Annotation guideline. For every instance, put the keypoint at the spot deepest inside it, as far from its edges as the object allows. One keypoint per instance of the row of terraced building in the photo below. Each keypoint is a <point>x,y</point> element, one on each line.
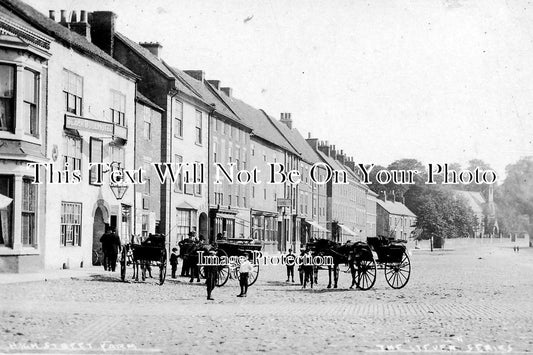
<point>74,91</point>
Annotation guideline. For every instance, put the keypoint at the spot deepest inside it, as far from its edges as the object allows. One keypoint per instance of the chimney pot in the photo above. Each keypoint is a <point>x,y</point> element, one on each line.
<point>74,17</point>
<point>52,14</point>
<point>308,135</point>
<point>227,90</point>
<point>63,16</point>
<point>83,16</point>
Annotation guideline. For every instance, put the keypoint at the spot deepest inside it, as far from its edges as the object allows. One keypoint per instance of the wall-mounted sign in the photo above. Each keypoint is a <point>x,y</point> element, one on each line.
<point>284,202</point>
<point>85,124</point>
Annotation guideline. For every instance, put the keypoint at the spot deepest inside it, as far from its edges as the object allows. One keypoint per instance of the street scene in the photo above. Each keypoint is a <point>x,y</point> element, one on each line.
<point>237,177</point>
<point>474,300</point>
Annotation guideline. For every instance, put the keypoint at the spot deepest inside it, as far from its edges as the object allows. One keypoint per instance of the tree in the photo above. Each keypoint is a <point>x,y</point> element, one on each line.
<point>515,197</point>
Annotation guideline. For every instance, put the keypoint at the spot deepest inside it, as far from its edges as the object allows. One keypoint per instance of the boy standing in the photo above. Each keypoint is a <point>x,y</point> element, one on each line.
<point>174,261</point>
<point>244,270</point>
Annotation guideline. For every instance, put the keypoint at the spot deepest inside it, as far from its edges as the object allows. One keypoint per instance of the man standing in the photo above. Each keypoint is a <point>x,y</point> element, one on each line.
<point>211,275</point>
<point>289,261</point>
<point>105,239</point>
<point>114,248</point>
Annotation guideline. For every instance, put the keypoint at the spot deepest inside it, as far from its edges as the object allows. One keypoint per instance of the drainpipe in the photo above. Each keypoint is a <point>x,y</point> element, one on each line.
<point>169,215</point>
<point>210,116</point>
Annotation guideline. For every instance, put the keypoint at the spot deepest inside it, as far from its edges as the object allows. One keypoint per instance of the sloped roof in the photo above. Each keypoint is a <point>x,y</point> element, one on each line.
<point>146,101</point>
<point>307,153</point>
<point>396,208</point>
<point>158,64</point>
<point>259,122</point>
<point>63,35</point>
<point>202,88</point>
<point>474,199</point>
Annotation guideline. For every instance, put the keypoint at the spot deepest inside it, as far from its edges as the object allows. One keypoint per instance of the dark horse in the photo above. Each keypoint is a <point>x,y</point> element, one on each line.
<point>357,256</point>
<point>189,254</point>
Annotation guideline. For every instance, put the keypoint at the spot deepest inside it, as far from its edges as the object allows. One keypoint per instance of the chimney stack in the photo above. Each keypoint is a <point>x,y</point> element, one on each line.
<point>102,30</point>
<point>313,142</point>
<point>286,119</point>
<point>153,47</point>
<point>196,74</point>
<point>82,27</point>
<point>52,15</point>
<point>63,19</point>
<point>228,91</point>
<point>215,83</point>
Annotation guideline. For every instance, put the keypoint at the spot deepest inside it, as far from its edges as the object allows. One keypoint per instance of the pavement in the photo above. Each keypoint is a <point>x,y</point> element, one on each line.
<point>465,300</point>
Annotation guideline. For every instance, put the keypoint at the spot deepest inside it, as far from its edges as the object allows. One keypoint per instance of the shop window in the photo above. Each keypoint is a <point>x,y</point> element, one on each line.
<point>73,92</point>
<point>71,224</point>
<point>185,222</point>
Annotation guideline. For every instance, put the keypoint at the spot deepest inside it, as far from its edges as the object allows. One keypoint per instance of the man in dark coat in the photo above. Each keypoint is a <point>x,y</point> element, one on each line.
<point>211,276</point>
<point>114,248</point>
<point>106,242</point>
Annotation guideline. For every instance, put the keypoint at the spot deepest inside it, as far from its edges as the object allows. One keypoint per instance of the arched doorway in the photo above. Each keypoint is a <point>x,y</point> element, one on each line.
<point>202,223</point>
<point>98,231</point>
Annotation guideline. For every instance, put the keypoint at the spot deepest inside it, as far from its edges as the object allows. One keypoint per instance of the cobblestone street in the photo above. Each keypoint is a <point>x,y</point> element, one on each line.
<point>462,300</point>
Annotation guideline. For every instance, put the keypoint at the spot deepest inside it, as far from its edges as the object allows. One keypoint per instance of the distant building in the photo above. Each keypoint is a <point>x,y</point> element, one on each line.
<point>484,210</point>
<point>394,219</point>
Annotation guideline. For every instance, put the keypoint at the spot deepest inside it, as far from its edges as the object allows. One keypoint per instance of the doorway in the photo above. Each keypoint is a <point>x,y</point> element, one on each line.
<point>98,231</point>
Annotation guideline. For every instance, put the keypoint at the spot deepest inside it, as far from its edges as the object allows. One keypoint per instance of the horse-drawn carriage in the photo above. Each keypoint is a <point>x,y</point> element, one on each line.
<point>151,252</point>
<point>392,257</point>
<point>227,250</point>
<point>233,248</point>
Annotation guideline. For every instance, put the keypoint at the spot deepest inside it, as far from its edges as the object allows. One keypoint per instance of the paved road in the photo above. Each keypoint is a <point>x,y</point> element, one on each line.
<point>462,301</point>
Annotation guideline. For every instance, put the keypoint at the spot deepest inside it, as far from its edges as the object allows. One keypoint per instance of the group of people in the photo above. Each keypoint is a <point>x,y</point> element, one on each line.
<point>306,269</point>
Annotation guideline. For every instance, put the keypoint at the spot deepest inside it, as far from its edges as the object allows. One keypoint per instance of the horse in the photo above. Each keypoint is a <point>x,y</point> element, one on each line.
<point>350,254</point>
<point>190,257</point>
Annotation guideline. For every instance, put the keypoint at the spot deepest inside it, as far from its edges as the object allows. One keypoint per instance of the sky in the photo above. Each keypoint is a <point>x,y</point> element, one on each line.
<point>438,81</point>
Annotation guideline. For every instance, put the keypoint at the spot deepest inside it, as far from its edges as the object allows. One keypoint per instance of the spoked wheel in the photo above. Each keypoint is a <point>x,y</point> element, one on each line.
<point>123,259</point>
<point>397,274</point>
<point>163,267</point>
<point>223,270</point>
<point>252,277</point>
<point>366,274</point>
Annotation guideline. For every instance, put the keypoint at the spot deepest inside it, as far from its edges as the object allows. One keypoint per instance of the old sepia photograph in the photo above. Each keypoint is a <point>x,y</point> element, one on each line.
<point>266,176</point>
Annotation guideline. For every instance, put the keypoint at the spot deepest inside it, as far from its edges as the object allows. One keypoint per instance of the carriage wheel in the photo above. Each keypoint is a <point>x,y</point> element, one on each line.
<point>163,267</point>
<point>366,274</point>
<point>252,277</point>
<point>223,271</point>
<point>397,274</point>
<point>123,255</point>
